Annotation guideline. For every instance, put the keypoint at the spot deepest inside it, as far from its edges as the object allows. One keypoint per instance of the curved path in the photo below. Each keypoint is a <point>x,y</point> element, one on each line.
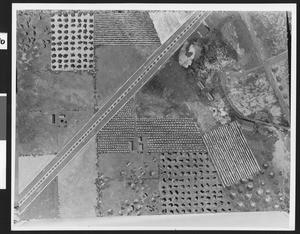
<point>238,113</point>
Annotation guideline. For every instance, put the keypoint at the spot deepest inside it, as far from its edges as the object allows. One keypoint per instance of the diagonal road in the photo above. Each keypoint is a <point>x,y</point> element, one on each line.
<point>109,109</point>
<point>265,63</point>
<point>280,57</point>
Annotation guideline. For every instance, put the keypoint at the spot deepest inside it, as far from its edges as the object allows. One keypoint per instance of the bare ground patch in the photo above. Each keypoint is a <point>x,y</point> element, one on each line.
<point>77,191</point>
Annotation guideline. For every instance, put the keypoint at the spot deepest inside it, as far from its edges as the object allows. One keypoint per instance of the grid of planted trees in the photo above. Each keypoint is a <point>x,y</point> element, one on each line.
<point>72,41</point>
<point>189,184</point>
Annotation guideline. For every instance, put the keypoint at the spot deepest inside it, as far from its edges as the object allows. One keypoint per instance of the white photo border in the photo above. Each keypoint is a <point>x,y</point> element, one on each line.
<point>226,221</point>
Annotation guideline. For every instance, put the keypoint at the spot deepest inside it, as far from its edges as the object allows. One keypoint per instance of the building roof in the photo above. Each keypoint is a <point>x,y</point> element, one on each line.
<point>247,125</point>
<point>203,30</point>
<point>200,84</point>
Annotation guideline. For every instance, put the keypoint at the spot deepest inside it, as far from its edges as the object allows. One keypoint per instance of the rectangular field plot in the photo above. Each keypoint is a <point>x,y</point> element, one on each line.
<point>124,28</point>
<point>171,135</point>
<point>189,184</point>
<point>72,41</point>
<point>230,154</point>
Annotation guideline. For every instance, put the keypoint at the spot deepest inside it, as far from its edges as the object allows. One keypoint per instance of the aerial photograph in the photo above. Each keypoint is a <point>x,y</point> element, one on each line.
<point>151,112</point>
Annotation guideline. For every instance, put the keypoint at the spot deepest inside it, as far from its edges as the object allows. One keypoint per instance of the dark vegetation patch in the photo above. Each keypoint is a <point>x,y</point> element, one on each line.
<point>168,91</point>
<point>173,77</point>
<point>236,33</point>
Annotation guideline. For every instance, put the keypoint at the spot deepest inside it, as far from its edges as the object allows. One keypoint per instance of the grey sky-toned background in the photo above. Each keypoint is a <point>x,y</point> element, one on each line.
<point>2,118</point>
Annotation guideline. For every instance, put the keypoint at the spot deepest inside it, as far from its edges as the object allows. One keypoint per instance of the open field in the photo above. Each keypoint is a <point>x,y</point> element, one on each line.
<point>54,91</point>
<point>115,64</point>
<point>127,184</point>
<point>76,188</point>
<point>34,36</point>
<point>42,92</point>
<point>38,136</point>
<point>29,167</point>
<point>45,206</point>
<point>167,22</point>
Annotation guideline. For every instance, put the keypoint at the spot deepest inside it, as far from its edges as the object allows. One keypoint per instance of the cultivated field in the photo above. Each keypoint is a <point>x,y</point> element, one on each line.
<point>159,134</point>
<point>189,184</point>
<point>124,28</point>
<point>72,41</point>
<point>230,154</point>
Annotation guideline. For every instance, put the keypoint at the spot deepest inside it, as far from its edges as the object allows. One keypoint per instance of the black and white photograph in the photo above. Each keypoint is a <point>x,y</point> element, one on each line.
<point>172,116</point>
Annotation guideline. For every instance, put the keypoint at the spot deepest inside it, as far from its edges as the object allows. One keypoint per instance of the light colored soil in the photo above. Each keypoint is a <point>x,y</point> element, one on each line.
<point>205,118</point>
<point>167,22</point>
<point>77,191</point>
<point>185,60</point>
<point>30,166</point>
<point>281,153</point>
